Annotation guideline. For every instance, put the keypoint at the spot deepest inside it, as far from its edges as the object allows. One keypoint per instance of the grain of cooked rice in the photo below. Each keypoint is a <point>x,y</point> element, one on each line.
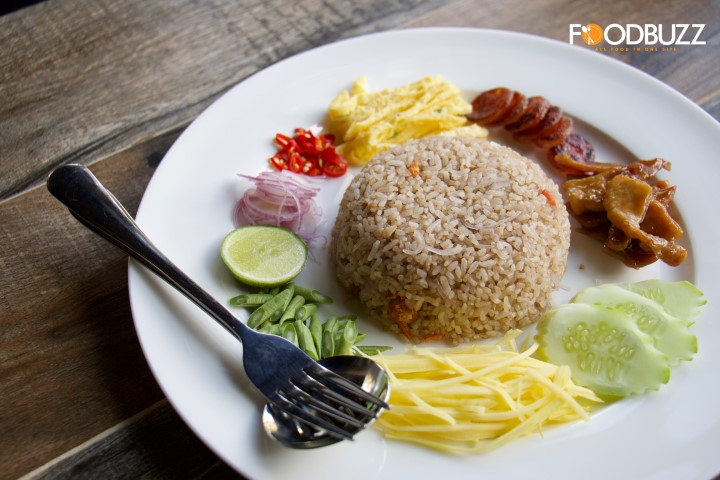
<point>469,248</point>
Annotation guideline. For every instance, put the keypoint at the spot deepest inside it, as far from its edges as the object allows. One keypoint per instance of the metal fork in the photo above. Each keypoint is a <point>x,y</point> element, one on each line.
<point>289,378</point>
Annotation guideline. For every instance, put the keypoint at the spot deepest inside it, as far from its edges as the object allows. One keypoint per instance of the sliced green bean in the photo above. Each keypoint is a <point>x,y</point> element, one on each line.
<point>343,320</point>
<point>289,333</point>
<point>279,303</point>
<point>316,329</point>
<point>271,328</point>
<point>328,337</point>
<point>328,345</point>
<point>312,295</point>
<point>289,313</point>
<point>305,339</point>
<point>257,318</point>
<point>305,311</point>
<point>347,339</point>
<point>271,310</point>
<point>250,299</point>
<point>372,349</point>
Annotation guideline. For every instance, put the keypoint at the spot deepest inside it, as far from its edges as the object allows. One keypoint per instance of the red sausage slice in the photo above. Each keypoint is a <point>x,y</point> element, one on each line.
<point>491,105</point>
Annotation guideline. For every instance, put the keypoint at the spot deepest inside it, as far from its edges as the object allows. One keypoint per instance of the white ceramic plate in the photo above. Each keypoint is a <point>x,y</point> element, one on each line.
<point>187,207</point>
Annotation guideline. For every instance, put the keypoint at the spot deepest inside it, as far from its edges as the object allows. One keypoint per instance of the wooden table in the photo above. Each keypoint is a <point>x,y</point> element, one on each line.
<point>112,84</point>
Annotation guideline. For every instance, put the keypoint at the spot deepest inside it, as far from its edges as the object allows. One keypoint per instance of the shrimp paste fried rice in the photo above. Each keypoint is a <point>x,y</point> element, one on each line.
<point>451,237</point>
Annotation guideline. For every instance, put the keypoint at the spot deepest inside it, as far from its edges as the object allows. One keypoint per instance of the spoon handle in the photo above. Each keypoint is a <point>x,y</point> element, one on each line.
<point>94,206</point>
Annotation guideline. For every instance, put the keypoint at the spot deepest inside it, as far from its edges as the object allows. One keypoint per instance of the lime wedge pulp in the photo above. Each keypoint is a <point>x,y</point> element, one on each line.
<point>263,256</point>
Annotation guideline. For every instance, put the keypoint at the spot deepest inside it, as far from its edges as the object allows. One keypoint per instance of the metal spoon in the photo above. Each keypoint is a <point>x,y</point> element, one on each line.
<point>292,433</point>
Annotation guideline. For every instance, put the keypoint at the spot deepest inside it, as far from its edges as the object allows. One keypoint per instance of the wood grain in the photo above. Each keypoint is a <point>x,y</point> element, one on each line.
<point>70,363</point>
<point>81,80</point>
<point>177,453</point>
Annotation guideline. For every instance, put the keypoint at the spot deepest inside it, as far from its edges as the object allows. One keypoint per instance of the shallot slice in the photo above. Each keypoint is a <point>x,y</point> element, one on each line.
<point>279,199</point>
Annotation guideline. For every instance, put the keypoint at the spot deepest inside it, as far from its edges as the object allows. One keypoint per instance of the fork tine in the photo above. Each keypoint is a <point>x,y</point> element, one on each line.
<point>332,379</point>
<point>300,397</point>
<point>320,390</point>
<point>312,420</point>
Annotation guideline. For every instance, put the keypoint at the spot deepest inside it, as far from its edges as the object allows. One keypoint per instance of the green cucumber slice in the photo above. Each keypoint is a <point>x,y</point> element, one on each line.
<point>604,349</point>
<point>680,299</point>
<point>669,334</point>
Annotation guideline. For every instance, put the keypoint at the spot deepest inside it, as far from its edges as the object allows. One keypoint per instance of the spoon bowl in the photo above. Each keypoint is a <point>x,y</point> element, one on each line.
<point>361,371</point>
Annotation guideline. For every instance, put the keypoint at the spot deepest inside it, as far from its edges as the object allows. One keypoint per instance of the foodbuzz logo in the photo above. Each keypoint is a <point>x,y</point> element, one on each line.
<point>633,37</point>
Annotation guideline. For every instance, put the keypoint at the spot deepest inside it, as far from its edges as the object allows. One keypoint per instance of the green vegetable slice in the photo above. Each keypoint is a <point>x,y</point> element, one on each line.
<point>604,348</point>
<point>669,334</point>
<point>680,299</point>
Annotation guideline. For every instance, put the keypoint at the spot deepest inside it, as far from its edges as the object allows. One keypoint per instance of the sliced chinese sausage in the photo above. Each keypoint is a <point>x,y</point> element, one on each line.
<point>556,134</point>
<point>490,106</point>
<point>535,119</point>
<point>517,106</point>
<point>548,121</point>
<point>536,109</point>
<point>576,156</point>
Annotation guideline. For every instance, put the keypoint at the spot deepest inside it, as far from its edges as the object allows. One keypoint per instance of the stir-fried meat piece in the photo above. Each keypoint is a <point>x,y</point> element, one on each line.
<point>663,192</point>
<point>628,214</point>
<point>645,169</point>
<point>626,200</point>
<point>617,240</point>
<point>657,221</point>
<point>635,255</point>
<point>586,194</point>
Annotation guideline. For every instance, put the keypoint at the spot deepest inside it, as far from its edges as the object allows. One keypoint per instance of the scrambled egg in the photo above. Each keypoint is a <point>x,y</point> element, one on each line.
<point>366,123</point>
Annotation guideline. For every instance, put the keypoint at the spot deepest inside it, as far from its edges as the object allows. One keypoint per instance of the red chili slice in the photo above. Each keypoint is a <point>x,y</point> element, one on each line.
<point>283,141</point>
<point>278,162</point>
<point>295,163</point>
<point>333,165</point>
<point>308,154</point>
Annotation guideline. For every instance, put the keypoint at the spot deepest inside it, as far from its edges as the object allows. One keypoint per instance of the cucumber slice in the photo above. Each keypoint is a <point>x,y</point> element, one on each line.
<point>669,334</point>
<point>604,348</point>
<point>680,299</point>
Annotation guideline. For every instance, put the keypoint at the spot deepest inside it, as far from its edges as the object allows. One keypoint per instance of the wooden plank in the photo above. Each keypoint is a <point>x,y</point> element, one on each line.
<point>176,453</point>
<point>70,362</point>
<point>81,80</point>
<point>688,70</point>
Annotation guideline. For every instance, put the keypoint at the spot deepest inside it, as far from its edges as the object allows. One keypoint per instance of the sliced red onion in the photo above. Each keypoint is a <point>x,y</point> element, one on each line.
<point>280,199</point>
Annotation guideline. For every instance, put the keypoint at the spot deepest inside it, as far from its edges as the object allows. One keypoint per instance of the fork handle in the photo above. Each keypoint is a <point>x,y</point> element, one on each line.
<point>94,206</point>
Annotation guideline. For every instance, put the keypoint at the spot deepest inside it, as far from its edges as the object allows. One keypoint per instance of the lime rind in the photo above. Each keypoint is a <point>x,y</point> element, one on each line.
<point>604,348</point>
<point>263,255</point>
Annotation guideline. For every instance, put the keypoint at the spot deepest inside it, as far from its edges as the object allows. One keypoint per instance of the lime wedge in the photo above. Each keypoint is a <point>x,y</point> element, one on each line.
<point>263,256</point>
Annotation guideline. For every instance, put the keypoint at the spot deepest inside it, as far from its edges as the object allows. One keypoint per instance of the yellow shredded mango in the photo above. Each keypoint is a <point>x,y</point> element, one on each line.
<point>477,398</point>
<point>367,123</point>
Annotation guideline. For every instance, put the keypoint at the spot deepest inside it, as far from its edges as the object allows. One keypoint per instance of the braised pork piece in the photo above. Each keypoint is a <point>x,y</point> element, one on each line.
<point>626,208</point>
